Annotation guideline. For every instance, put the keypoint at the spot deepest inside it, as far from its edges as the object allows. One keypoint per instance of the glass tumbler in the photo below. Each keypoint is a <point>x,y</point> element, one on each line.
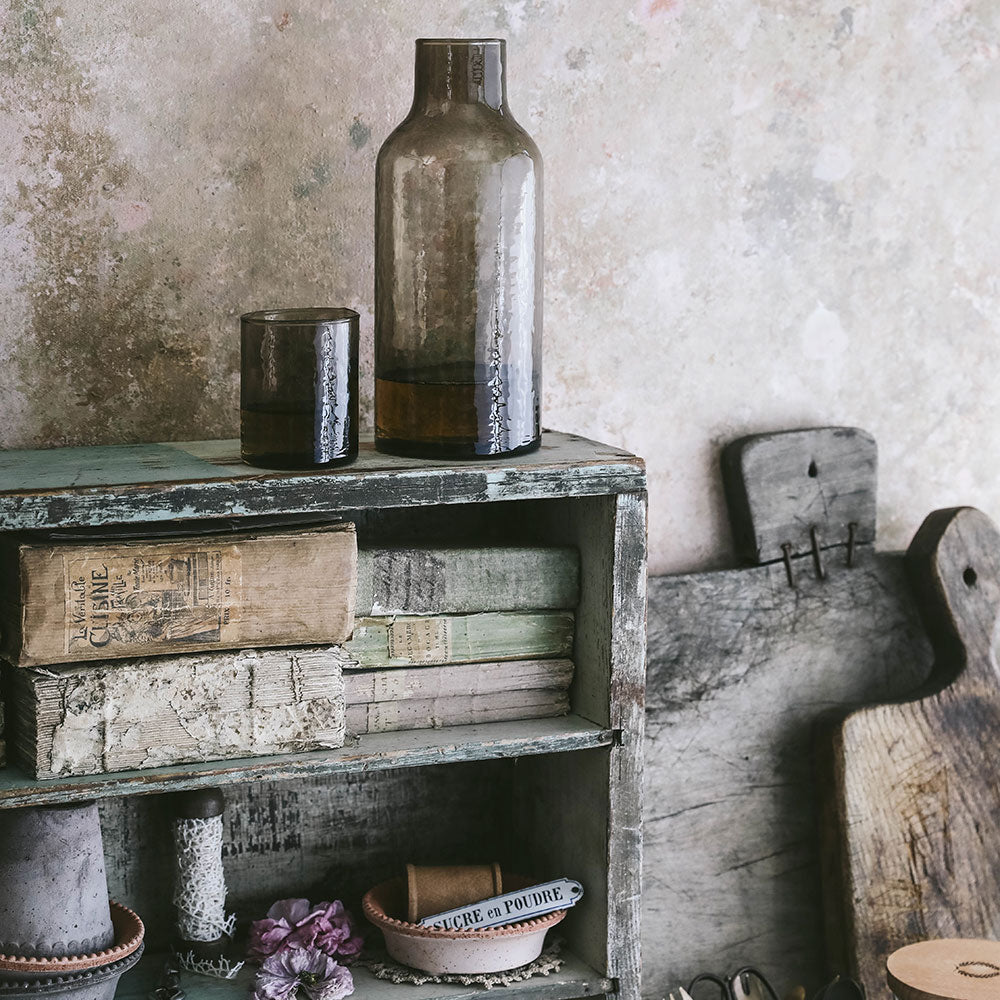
<point>299,388</point>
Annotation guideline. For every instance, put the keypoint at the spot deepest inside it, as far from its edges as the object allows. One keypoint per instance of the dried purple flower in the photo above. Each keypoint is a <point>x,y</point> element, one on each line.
<point>317,975</point>
<point>335,931</point>
<point>293,923</point>
<point>269,935</point>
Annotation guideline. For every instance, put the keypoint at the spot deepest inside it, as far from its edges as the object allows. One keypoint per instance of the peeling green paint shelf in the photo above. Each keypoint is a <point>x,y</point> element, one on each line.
<point>412,748</point>
<point>129,484</point>
<point>574,979</point>
<point>574,803</point>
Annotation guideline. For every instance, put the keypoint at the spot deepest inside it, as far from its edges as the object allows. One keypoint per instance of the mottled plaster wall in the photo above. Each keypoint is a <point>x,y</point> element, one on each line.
<point>760,214</point>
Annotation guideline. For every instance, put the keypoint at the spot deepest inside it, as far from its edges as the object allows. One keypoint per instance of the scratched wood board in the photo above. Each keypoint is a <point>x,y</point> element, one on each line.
<point>913,786</point>
<point>740,667</point>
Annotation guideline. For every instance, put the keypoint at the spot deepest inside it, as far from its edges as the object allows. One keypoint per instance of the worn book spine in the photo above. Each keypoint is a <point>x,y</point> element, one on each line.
<point>103,600</point>
<point>410,641</point>
<point>439,581</point>
<point>455,710</point>
<point>430,697</point>
<point>130,715</point>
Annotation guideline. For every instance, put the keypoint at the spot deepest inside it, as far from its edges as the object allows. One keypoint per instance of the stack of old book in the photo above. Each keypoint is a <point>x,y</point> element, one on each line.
<point>148,652</point>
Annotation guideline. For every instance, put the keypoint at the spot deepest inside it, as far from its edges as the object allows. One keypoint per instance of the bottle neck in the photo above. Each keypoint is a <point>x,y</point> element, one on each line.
<point>453,72</point>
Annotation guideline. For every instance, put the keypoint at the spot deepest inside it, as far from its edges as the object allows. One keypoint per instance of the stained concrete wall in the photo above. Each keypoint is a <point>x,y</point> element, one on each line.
<point>760,214</point>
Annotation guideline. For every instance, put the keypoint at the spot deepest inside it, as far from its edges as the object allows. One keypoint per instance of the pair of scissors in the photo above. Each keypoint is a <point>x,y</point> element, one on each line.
<point>749,984</point>
<point>744,984</point>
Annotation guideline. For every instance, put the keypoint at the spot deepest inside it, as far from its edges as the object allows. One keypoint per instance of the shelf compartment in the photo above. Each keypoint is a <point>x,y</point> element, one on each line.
<point>412,748</point>
<point>574,979</point>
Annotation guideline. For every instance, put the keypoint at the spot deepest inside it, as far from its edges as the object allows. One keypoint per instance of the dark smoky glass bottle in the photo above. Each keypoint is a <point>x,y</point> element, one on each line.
<point>458,264</point>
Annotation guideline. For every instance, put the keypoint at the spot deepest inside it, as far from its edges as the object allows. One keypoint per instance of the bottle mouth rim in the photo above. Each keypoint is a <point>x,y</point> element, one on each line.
<point>461,41</point>
<point>299,317</point>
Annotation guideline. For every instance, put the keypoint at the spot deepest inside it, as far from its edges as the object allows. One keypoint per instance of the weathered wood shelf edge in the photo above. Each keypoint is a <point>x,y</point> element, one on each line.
<point>412,748</point>
<point>123,484</point>
<point>574,979</point>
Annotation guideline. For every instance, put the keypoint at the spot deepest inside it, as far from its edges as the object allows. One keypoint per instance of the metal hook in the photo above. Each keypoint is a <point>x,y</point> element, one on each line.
<point>786,555</point>
<point>852,533</point>
<point>817,557</point>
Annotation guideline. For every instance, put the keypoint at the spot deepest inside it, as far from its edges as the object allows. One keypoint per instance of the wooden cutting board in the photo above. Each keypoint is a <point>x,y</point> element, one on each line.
<point>912,824</point>
<point>741,665</point>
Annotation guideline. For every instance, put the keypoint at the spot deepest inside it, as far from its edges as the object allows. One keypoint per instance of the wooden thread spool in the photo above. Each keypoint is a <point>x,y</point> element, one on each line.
<point>435,889</point>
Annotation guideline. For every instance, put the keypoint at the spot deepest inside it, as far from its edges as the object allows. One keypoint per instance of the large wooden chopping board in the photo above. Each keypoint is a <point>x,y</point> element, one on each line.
<point>741,664</point>
<point>913,824</point>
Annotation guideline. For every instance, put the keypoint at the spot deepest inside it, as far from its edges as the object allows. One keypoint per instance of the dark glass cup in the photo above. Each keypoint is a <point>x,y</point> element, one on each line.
<point>299,388</point>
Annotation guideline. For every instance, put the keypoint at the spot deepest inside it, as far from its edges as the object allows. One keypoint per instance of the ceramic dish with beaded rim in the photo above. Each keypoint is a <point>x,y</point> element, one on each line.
<point>129,932</point>
<point>71,982</point>
<point>455,951</point>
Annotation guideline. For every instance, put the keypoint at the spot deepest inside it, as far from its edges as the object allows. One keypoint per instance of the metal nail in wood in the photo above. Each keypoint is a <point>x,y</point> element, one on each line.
<point>817,553</point>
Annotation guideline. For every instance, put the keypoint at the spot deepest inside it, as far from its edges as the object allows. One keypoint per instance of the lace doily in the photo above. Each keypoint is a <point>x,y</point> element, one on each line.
<point>381,966</point>
<point>220,968</point>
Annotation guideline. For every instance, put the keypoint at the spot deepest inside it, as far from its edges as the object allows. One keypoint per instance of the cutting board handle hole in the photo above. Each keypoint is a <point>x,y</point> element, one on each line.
<point>969,576</point>
<point>812,470</point>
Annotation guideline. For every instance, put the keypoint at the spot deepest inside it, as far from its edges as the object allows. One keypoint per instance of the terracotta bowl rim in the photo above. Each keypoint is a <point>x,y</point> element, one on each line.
<point>376,914</point>
<point>129,932</point>
<point>57,984</point>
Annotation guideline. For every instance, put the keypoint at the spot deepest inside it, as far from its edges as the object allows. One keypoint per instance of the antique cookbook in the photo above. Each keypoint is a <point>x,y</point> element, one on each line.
<point>65,602</point>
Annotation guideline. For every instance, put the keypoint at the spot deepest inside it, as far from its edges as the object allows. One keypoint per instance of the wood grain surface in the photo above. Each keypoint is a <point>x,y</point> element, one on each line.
<point>946,969</point>
<point>741,666</point>
<point>914,818</point>
<point>781,487</point>
<point>117,484</point>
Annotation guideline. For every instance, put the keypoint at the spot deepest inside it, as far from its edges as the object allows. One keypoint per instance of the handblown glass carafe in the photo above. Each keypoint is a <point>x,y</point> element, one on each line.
<point>458,264</point>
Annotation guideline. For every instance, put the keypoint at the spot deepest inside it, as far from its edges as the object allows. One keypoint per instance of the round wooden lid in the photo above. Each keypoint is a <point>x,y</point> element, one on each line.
<point>949,969</point>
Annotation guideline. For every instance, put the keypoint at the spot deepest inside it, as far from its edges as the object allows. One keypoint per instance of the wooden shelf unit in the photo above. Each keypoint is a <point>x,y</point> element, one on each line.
<point>553,797</point>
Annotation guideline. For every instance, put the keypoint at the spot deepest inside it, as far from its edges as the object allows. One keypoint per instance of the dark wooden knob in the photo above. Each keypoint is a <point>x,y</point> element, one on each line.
<point>203,803</point>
